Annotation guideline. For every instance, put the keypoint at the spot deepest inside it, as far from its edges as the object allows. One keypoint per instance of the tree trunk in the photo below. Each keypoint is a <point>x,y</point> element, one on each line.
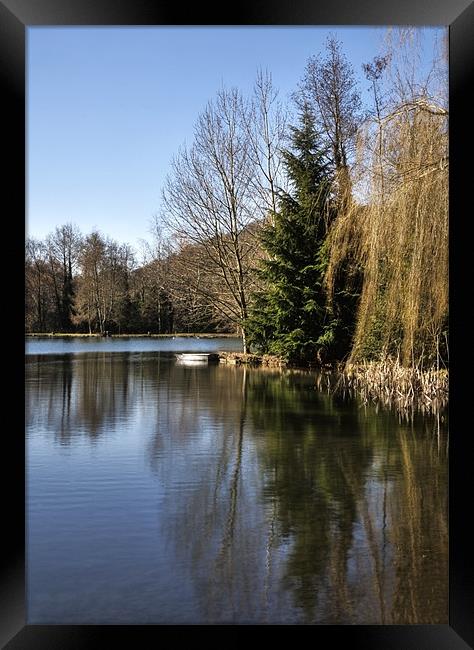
<point>244,340</point>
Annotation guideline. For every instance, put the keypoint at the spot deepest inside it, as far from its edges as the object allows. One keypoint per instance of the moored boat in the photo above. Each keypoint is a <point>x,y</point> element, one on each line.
<point>197,357</point>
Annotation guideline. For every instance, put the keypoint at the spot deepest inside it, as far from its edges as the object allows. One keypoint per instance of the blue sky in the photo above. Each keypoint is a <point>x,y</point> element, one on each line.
<point>108,107</point>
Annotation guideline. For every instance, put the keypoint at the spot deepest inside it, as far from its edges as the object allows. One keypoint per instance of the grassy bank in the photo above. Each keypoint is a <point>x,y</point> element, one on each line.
<point>201,335</point>
<point>241,358</point>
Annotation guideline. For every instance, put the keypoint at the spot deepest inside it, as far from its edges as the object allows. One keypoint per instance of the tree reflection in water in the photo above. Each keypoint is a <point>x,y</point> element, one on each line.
<point>340,517</point>
<point>282,503</point>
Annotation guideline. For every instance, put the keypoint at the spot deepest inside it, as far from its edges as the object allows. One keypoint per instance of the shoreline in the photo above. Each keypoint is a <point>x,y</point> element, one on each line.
<point>386,383</point>
<point>201,335</point>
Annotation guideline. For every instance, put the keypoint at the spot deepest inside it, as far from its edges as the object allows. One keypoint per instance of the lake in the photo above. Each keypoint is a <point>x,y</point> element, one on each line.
<point>164,493</point>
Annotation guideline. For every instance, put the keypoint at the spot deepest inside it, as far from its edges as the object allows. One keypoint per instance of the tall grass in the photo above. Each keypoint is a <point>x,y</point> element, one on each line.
<point>404,389</point>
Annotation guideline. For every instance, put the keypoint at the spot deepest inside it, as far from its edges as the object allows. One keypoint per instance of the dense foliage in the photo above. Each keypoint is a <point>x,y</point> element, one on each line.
<point>289,317</point>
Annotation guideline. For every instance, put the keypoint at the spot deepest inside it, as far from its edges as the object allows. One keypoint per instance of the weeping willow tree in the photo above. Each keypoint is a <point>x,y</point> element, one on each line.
<point>397,235</point>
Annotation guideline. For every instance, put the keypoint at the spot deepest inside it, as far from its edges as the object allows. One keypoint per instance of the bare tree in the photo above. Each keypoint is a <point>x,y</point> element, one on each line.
<point>89,297</point>
<point>119,265</point>
<point>265,122</point>
<point>152,282</point>
<point>208,201</point>
<point>189,284</point>
<point>104,281</point>
<point>63,247</point>
<point>330,88</point>
<point>37,298</point>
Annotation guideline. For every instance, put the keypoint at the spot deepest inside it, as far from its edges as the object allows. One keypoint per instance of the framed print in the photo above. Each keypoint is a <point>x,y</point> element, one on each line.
<point>158,478</point>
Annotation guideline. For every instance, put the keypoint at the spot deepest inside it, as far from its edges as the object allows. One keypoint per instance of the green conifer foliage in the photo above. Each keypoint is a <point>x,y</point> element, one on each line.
<point>289,316</point>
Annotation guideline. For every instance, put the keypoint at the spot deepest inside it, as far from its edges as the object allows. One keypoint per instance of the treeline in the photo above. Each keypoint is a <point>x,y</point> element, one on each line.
<point>93,284</point>
<point>318,229</point>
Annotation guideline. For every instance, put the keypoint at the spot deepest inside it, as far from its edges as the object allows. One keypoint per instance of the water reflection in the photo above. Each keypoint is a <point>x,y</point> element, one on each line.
<point>278,502</point>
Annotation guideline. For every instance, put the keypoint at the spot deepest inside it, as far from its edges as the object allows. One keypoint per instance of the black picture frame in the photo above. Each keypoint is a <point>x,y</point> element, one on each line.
<point>15,17</point>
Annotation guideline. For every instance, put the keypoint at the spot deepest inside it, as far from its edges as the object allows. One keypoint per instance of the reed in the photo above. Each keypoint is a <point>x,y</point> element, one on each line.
<point>404,389</point>
<point>387,383</point>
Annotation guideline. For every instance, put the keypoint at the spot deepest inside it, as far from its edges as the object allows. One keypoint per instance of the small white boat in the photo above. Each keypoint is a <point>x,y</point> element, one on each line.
<point>197,357</point>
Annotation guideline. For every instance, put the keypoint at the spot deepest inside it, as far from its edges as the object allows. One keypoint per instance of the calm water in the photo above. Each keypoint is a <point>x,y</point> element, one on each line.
<point>165,493</point>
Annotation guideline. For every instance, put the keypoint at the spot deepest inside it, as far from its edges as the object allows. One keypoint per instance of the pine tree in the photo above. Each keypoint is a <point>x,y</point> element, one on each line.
<point>290,316</point>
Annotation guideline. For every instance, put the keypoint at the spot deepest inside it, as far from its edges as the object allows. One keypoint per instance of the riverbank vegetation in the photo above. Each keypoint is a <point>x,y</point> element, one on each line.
<point>317,229</point>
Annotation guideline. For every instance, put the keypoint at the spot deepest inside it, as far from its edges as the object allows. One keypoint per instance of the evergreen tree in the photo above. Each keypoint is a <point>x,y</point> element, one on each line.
<point>290,316</point>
